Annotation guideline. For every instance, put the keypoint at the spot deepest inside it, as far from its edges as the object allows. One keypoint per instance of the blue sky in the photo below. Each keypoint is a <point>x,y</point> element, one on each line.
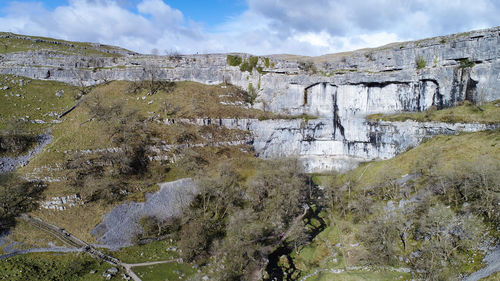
<point>306,27</point>
<point>209,12</point>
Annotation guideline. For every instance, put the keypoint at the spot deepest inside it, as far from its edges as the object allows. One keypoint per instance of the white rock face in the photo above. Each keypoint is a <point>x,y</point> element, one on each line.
<point>315,143</point>
<point>340,94</point>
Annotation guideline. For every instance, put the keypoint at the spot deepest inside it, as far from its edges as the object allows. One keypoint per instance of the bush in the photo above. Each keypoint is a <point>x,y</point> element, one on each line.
<point>15,139</point>
<point>16,143</point>
<point>266,62</point>
<point>250,64</point>
<point>465,63</point>
<point>420,61</point>
<point>240,224</point>
<point>17,196</point>
<point>308,67</point>
<point>152,86</point>
<point>251,94</point>
<point>233,60</point>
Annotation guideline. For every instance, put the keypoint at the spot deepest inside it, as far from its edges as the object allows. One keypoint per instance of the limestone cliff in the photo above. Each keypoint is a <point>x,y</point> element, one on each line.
<point>340,90</point>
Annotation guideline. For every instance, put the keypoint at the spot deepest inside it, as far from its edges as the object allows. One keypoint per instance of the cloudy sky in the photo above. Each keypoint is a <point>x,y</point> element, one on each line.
<point>307,27</point>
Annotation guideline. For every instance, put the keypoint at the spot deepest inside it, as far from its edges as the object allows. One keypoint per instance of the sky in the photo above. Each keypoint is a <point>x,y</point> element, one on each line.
<point>260,27</point>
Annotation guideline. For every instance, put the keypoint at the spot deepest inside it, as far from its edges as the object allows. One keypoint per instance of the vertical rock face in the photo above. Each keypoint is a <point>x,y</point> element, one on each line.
<point>315,142</point>
<point>340,90</point>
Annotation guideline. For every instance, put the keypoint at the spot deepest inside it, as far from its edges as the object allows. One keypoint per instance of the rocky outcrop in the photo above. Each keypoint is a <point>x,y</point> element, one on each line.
<point>340,90</point>
<point>61,203</point>
<point>322,147</point>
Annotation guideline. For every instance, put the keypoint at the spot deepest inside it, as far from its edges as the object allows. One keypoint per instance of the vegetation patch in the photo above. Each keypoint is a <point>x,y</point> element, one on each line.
<point>420,62</point>
<point>233,60</point>
<point>153,251</point>
<point>166,271</point>
<point>52,267</point>
<point>10,43</point>
<point>374,221</point>
<point>466,112</point>
<point>33,104</point>
<point>250,64</point>
<point>465,63</point>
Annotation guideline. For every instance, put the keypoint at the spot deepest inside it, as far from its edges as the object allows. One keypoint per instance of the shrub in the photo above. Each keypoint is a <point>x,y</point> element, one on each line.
<point>251,94</point>
<point>245,66</point>
<point>15,139</point>
<point>233,60</point>
<point>464,63</point>
<point>17,196</point>
<point>15,143</point>
<point>420,61</point>
<point>266,62</point>
<point>250,64</point>
<point>308,67</point>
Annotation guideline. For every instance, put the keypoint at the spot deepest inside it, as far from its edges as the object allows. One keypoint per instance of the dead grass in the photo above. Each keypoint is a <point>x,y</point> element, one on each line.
<point>32,237</point>
<point>78,220</point>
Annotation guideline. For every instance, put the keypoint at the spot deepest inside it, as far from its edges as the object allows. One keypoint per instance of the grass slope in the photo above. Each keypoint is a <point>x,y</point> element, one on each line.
<point>80,131</point>
<point>10,43</point>
<point>488,113</point>
<point>29,100</point>
<point>341,237</point>
<point>53,267</point>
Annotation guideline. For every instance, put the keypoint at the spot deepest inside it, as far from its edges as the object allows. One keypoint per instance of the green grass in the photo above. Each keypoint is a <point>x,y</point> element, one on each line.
<point>153,251</point>
<point>234,60</point>
<point>360,275</point>
<point>420,62</point>
<point>52,267</point>
<point>37,238</point>
<point>35,100</point>
<point>78,131</point>
<point>451,150</point>
<point>488,113</point>
<point>25,43</point>
<point>167,271</point>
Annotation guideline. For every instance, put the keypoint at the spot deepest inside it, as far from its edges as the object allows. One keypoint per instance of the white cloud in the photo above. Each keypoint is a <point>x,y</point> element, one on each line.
<point>312,27</point>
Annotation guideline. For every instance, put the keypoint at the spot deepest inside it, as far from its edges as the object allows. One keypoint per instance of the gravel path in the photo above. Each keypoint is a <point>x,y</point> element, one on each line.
<point>493,261</point>
<point>9,164</point>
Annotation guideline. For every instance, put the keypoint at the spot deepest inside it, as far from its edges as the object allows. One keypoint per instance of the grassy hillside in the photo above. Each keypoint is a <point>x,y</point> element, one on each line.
<point>102,114</point>
<point>437,201</point>
<point>10,43</point>
<point>34,102</point>
<point>424,185</point>
<point>53,266</point>
<point>487,113</point>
